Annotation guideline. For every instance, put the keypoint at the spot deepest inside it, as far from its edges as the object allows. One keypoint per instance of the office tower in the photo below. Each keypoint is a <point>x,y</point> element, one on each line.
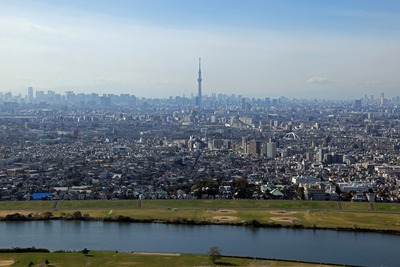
<point>245,140</point>
<point>8,97</point>
<point>70,96</point>
<point>30,94</point>
<point>357,103</point>
<point>254,148</point>
<point>199,79</point>
<point>321,155</point>
<point>271,150</point>
<point>382,100</point>
<point>40,96</point>
<point>268,101</point>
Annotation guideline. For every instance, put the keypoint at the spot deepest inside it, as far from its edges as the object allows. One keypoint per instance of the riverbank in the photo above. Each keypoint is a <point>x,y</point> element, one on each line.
<point>289,214</point>
<point>138,259</point>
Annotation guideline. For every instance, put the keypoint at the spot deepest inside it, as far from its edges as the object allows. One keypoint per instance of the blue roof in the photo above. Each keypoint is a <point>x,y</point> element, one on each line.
<point>40,195</point>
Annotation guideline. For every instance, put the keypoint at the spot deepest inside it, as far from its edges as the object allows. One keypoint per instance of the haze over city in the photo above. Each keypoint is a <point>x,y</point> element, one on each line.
<point>304,49</point>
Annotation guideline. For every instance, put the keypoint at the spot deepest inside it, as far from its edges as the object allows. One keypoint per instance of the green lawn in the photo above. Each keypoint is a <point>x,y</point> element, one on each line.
<point>196,204</point>
<point>199,204</point>
<point>307,213</point>
<point>25,205</point>
<point>184,204</point>
<point>386,207</point>
<point>111,259</point>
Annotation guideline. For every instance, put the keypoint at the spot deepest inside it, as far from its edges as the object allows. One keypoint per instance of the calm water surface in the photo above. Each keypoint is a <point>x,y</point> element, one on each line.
<point>365,249</point>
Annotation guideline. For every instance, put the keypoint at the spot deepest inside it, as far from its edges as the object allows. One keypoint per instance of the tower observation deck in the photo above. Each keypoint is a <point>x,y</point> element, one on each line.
<point>199,79</point>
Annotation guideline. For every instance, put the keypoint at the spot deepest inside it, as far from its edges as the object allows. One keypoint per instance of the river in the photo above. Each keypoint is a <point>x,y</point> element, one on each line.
<point>355,248</point>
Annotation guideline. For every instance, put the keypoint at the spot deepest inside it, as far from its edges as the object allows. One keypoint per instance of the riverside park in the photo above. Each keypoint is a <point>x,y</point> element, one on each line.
<point>341,216</point>
<point>357,216</point>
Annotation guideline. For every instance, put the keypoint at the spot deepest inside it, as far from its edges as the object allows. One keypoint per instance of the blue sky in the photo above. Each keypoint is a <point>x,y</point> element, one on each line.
<point>258,48</point>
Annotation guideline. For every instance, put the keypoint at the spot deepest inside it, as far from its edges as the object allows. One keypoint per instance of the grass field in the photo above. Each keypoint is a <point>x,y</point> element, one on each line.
<point>112,259</point>
<point>314,214</point>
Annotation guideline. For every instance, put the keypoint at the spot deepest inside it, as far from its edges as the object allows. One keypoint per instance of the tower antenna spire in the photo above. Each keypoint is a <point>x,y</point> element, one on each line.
<point>199,79</point>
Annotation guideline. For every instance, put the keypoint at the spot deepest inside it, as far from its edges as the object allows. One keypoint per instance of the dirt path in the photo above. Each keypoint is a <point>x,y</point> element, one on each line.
<point>282,212</point>
<point>285,219</point>
<point>225,218</point>
<point>6,262</point>
<point>224,211</point>
<point>157,254</point>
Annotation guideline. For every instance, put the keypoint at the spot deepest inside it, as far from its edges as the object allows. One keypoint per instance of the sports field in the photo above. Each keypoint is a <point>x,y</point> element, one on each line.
<point>310,214</point>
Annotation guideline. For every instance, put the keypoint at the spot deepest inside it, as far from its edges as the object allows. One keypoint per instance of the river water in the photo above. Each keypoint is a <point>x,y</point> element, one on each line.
<point>355,248</point>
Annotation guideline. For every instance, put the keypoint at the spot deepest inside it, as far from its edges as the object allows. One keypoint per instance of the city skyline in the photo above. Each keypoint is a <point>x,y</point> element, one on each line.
<point>198,100</point>
<point>306,49</point>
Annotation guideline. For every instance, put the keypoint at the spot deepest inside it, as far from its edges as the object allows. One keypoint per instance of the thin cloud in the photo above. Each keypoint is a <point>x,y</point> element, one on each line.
<point>24,79</point>
<point>15,25</point>
<point>320,80</point>
<point>371,82</point>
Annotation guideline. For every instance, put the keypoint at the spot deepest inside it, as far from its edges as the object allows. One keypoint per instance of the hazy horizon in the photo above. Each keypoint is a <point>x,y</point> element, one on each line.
<point>303,49</point>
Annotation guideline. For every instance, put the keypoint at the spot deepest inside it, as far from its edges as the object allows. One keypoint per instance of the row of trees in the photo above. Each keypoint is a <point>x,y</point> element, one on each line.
<point>240,188</point>
<point>77,215</point>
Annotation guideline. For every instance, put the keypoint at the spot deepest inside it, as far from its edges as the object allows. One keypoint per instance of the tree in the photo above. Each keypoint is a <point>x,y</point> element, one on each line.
<point>338,191</point>
<point>347,196</point>
<point>47,215</point>
<point>85,251</point>
<point>300,193</point>
<point>77,215</point>
<point>215,253</point>
<point>241,188</point>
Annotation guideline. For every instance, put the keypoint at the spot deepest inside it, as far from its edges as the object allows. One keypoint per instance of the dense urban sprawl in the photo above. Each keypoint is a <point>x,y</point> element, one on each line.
<point>87,146</point>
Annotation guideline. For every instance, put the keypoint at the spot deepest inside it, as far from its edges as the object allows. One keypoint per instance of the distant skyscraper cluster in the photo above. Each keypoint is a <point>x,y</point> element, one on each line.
<point>199,100</point>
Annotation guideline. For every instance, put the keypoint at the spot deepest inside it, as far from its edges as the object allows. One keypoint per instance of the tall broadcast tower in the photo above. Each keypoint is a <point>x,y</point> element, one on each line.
<point>200,96</point>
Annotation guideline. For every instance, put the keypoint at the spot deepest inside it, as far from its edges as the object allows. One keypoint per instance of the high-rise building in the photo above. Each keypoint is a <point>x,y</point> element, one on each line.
<point>321,155</point>
<point>271,150</point>
<point>357,103</point>
<point>199,79</point>
<point>254,148</point>
<point>244,144</point>
<point>30,94</point>
<point>40,96</point>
